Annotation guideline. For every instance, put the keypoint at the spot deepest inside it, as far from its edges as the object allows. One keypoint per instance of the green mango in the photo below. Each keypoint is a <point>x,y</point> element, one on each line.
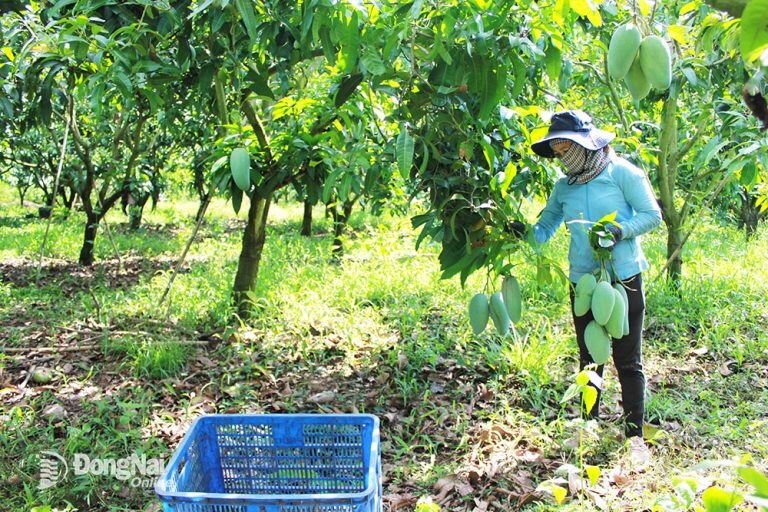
<point>478,312</point>
<point>622,50</point>
<point>499,314</point>
<point>615,325</point>
<point>513,299</point>
<point>598,342</point>
<point>656,62</point>
<point>240,166</point>
<point>603,300</point>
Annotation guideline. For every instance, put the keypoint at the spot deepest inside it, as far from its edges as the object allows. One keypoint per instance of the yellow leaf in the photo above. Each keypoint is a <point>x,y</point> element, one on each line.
<point>559,493</point>
<point>678,33</point>
<point>589,395</point>
<point>587,9</point>
<point>595,18</point>
<point>593,472</point>
<point>560,11</point>
<point>690,6</point>
<point>510,171</point>
<point>538,133</point>
<point>582,379</point>
<point>645,7</point>
<point>8,53</point>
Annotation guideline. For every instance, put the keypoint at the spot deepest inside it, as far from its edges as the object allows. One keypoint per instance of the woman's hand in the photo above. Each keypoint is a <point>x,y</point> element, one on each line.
<point>517,229</point>
<point>607,238</point>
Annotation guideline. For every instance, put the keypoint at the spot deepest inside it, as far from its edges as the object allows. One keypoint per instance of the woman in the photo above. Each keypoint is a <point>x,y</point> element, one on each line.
<point>598,182</point>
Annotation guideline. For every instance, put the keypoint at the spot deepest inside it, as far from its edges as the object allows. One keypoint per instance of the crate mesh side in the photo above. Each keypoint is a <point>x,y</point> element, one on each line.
<point>329,460</point>
<point>190,472</point>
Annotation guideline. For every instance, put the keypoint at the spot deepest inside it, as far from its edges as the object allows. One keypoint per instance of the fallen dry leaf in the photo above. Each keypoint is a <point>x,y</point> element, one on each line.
<point>324,397</point>
<point>399,501</point>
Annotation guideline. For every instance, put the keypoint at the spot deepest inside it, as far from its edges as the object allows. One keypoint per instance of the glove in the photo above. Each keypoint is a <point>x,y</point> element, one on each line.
<point>615,231</point>
<point>517,229</point>
<point>608,238</point>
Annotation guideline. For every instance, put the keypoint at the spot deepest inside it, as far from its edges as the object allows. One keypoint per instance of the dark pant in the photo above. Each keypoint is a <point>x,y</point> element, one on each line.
<point>627,357</point>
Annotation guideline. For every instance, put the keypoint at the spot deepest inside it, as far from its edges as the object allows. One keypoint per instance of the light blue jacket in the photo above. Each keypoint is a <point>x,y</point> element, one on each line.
<point>621,188</point>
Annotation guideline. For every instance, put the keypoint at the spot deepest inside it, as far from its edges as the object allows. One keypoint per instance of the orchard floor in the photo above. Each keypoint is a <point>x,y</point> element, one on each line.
<point>92,363</point>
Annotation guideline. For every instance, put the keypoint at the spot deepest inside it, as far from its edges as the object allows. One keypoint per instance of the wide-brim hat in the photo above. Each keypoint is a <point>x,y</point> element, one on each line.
<point>576,126</point>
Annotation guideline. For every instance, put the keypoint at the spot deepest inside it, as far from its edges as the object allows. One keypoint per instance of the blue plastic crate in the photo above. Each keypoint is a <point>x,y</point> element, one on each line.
<point>275,463</point>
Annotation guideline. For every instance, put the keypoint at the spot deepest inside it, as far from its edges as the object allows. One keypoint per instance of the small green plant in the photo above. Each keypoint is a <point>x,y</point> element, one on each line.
<point>697,491</point>
<point>425,504</point>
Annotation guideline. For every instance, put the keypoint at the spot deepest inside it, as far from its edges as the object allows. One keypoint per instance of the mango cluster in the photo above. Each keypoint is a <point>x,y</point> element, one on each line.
<point>642,62</point>
<point>610,311</point>
<point>503,307</point>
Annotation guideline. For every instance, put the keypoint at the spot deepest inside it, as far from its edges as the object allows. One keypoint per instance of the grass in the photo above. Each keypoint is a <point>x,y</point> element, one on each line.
<point>469,421</point>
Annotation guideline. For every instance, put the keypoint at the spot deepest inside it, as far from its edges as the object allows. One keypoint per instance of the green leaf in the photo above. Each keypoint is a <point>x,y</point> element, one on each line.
<point>404,147</point>
<point>237,197</point>
<point>690,75</point>
<point>245,8</point>
<point>371,61</point>
<point>329,50</point>
<point>748,174</point>
<point>259,84</point>
<point>346,184</point>
<point>155,100</point>
<point>756,479</point>
<point>716,499</point>
<point>554,62</point>
<point>570,393</point>
<point>457,267</point>
<point>416,7</point>
<point>346,88</point>
<point>329,186</point>
<point>519,72</point>
<point>200,8</point>
<point>754,29</point>
<point>424,157</point>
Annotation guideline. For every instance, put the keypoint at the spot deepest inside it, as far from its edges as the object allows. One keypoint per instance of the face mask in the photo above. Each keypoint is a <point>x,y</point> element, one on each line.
<point>581,164</point>
<point>574,159</point>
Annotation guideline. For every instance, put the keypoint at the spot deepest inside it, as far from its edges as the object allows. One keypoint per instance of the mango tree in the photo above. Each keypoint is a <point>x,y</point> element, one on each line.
<point>257,60</point>
<point>697,155</point>
<point>97,68</point>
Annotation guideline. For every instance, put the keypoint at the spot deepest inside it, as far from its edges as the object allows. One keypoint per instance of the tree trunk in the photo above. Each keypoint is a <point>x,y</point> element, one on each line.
<point>89,239</point>
<point>675,238</point>
<point>667,178</point>
<point>69,200</point>
<point>306,223</point>
<point>204,199</point>
<point>340,220</point>
<point>749,214</point>
<point>135,213</point>
<point>254,237</point>
<point>22,194</point>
